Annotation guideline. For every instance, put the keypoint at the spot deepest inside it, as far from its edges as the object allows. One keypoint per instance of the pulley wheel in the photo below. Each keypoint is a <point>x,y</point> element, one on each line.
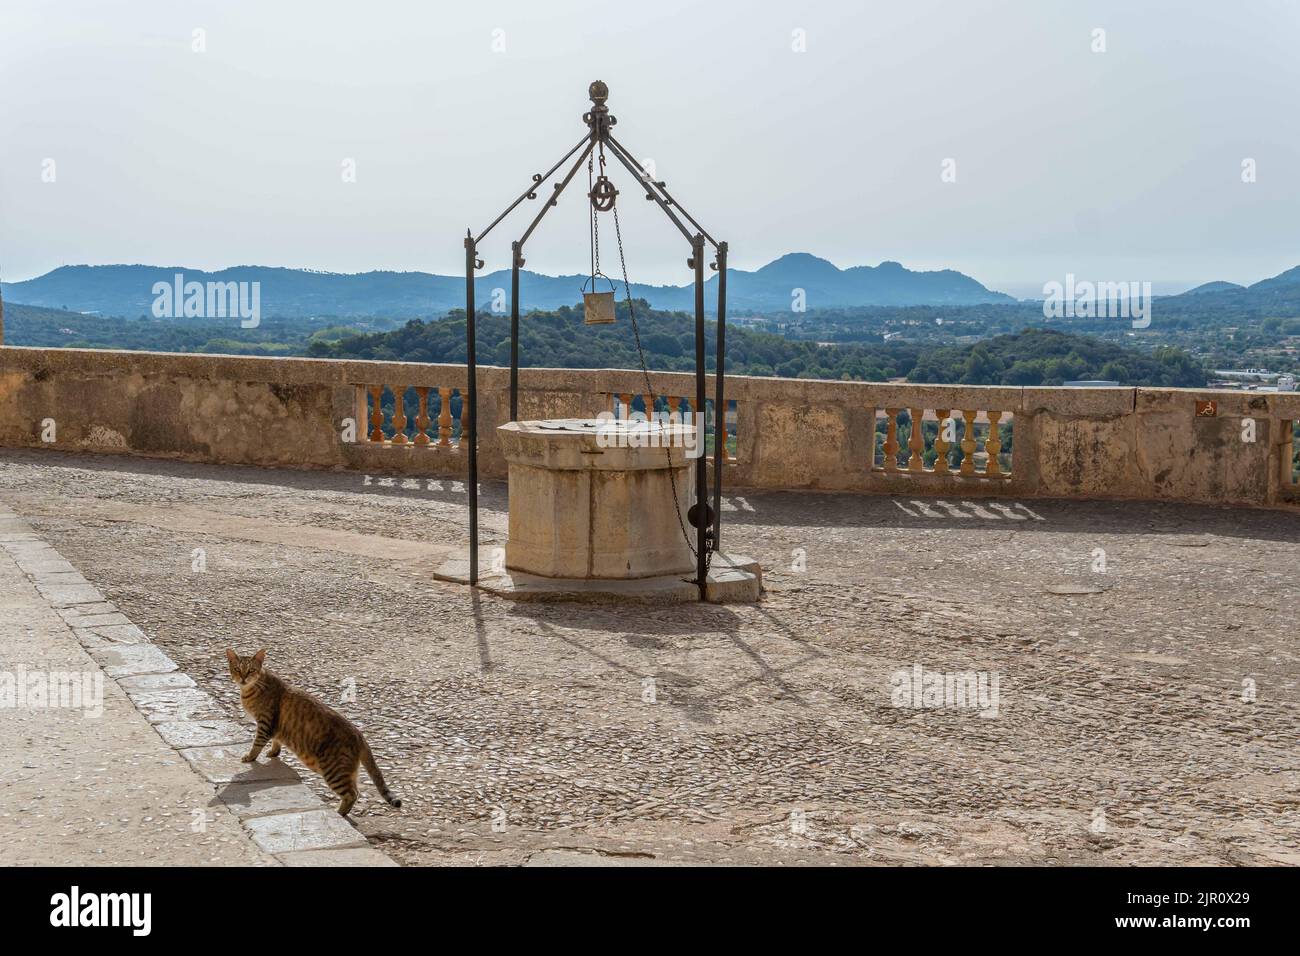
<point>603,195</point>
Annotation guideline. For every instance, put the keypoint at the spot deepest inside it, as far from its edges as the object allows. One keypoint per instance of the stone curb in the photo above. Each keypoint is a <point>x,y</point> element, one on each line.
<point>283,817</point>
<point>732,579</point>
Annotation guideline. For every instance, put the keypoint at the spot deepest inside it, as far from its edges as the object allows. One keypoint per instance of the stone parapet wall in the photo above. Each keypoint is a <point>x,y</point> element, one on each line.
<point>1149,443</point>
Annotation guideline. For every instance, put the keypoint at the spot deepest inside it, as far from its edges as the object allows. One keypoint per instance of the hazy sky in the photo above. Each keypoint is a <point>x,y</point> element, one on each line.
<point>1117,165</point>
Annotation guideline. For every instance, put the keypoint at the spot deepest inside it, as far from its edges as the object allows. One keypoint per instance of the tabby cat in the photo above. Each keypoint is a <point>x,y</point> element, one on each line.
<point>323,739</point>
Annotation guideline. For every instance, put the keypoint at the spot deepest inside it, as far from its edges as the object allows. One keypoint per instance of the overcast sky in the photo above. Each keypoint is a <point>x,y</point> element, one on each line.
<point>1116,165</point>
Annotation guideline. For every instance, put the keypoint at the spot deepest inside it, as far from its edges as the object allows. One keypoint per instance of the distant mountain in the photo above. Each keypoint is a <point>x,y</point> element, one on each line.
<point>1285,280</point>
<point>1281,292</point>
<point>771,288</point>
<point>1214,287</point>
<point>127,290</point>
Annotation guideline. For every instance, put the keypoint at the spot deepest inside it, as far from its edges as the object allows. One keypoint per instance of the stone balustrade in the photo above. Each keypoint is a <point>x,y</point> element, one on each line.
<point>419,415</point>
<point>1150,443</point>
<point>966,442</point>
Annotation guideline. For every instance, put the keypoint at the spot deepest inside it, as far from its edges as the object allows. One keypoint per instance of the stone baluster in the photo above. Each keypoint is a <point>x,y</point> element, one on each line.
<point>891,439</point>
<point>993,447</point>
<point>465,416</point>
<point>1286,453</point>
<point>399,415</point>
<point>361,414</point>
<point>674,414</point>
<point>724,422</point>
<point>916,441</point>
<point>941,444</point>
<point>968,442</point>
<point>376,413</point>
<point>649,402</point>
<point>444,418</point>
<point>626,399</point>
<point>422,415</point>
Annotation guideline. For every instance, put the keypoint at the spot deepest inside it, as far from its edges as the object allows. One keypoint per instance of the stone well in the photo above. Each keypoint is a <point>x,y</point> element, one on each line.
<point>595,516</point>
<point>596,499</point>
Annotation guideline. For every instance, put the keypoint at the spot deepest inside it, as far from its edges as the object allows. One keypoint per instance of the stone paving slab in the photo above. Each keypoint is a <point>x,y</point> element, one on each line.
<point>41,564</point>
<point>108,635</point>
<point>57,578</point>
<point>730,586</point>
<point>570,858</point>
<point>222,765</point>
<point>201,733</point>
<point>86,621</point>
<point>267,797</point>
<point>356,856</point>
<point>95,642</point>
<point>309,830</point>
<point>145,682</point>
<point>129,659</point>
<point>27,545</point>
<point>176,703</point>
<point>61,595</point>
<point>73,614</point>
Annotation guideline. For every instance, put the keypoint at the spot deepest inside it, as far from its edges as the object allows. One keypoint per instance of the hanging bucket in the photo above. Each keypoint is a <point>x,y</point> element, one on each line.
<point>598,307</point>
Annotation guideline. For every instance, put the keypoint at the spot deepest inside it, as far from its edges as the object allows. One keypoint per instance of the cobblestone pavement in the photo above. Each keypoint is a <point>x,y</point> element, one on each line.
<point>1147,714</point>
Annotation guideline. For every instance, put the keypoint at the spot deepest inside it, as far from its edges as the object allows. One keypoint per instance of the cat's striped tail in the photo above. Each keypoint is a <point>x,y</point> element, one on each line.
<point>372,768</point>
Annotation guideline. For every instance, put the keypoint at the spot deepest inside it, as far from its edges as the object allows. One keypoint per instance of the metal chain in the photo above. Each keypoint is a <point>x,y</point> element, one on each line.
<point>595,225</point>
<point>654,400</point>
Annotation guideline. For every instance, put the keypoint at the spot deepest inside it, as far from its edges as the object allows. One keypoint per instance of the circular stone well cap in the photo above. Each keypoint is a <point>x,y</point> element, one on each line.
<point>601,444</point>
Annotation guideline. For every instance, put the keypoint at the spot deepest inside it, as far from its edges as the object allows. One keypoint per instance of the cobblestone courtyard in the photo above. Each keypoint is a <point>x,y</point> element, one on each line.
<point>525,733</point>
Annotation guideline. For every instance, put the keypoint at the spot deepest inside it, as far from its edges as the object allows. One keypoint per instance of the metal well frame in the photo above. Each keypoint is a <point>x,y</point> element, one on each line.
<point>599,125</point>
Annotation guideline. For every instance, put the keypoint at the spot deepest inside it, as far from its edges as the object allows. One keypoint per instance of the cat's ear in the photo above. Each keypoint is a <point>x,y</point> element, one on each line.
<point>260,657</point>
<point>232,657</point>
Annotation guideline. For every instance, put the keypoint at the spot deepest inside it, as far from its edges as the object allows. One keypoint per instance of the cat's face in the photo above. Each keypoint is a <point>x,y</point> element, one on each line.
<point>245,671</point>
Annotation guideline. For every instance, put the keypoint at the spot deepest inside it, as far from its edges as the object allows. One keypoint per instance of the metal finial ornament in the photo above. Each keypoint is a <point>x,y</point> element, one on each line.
<point>598,117</point>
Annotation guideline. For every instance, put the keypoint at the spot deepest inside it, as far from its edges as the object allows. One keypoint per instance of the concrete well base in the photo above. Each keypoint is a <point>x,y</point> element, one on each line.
<point>732,579</point>
<point>597,499</point>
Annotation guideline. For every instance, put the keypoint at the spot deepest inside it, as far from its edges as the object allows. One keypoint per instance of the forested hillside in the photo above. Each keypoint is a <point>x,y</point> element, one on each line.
<point>559,339</point>
<point>1049,357</point>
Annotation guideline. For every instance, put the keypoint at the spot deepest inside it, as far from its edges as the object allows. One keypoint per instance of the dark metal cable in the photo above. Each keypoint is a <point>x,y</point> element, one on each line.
<point>654,399</point>
<point>592,208</point>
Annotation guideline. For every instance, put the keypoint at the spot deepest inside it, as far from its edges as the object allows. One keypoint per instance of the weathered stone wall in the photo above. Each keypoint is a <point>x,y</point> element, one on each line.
<point>289,413</point>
